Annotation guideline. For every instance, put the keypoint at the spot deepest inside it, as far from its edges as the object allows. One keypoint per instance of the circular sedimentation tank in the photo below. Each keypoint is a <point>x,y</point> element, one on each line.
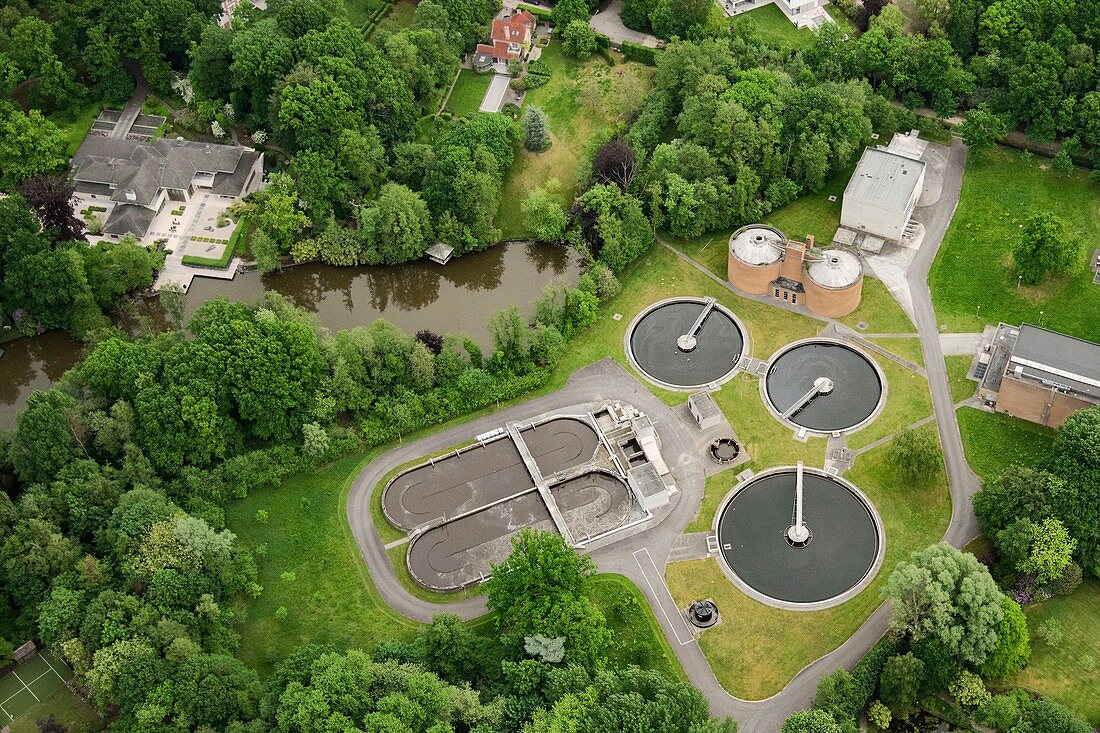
<point>840,555</point>
<point>662,345</point>
<point>823,385</point>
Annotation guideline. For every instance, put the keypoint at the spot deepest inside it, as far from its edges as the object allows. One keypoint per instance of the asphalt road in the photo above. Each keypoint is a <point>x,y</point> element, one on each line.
<point>643,558</point>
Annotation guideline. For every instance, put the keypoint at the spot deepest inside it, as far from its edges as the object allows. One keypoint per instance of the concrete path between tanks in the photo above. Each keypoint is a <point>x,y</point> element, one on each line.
<point>606,380</point>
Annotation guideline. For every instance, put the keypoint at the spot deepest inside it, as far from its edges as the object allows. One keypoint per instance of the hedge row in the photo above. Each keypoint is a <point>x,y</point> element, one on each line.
<point>540,13</point>
<point>372,23</point>
<point>642,54</point>
<point>603,41</point>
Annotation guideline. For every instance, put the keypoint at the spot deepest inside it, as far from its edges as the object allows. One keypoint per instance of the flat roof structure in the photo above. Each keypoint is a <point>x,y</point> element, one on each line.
<point>1057,359</point>
<point>885,178</point>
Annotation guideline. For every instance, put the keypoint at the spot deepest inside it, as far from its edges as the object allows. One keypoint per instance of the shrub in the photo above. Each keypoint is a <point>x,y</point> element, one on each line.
<point>261,516</point>
<point>638,52</point>
<point>1068,581</point>
<point>1002,712</point>
<point>968,690</point>
<point>1050,631</point>
<point>879,715</point>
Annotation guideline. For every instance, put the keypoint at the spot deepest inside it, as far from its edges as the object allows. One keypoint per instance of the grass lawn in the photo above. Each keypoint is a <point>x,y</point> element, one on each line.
<point>907,348</point>
<point>400,16</point>
<point>993,442</point>
<point>468,92</point>
<point>774,27</point>
<point>75,126</point>
<point>581,98</point>
<point>1060,673</point>
<point>878,309</point>
<point>760,648</point>
<point>957,368</point>
<point>643,644</point>
<point>66,708</point>
<point>907,401</point>
<point>974,266</point>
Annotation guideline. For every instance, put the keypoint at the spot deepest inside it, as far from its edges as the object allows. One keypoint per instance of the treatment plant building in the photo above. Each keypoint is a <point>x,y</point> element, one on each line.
<point>762,261</point>
<point>880,198</point>
<point>1040,375</point>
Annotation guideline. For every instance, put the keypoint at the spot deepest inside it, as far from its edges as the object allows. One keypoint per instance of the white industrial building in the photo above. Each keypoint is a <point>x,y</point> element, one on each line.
<point>880,198</point>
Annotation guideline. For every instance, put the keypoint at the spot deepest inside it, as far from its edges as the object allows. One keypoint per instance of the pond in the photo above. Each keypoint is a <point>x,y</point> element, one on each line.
<point>461,296</point>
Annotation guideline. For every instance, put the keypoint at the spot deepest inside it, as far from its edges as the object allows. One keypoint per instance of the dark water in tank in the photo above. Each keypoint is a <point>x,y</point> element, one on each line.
<point>856,386</point>
<point>751,536</point>
<point>653,341</point>
<point>461,296</point>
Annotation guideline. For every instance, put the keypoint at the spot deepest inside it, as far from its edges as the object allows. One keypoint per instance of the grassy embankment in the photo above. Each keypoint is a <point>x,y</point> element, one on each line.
<point>581,98</point>
<point>774,27</point>
<point>993,441</point>
<point>974,268</point>
<point>468,92</point>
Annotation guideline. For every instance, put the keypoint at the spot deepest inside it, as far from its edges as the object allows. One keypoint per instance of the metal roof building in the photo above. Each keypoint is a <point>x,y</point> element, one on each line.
<point>880,198</point>
<point>1047,376</point>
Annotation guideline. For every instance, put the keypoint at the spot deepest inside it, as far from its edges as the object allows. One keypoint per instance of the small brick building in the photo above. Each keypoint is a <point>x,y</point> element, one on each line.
<point>1040,375</point>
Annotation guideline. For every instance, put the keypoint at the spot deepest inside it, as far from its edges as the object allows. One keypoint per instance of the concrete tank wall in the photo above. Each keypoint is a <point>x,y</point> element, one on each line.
<point>832,302</point>
<point>752,279</point>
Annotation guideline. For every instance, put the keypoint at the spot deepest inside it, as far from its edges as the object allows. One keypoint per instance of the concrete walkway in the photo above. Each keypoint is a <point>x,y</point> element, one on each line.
<point>643,558</point>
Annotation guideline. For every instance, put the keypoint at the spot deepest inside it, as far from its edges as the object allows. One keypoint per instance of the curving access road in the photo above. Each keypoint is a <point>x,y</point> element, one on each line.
<point>643,558</point>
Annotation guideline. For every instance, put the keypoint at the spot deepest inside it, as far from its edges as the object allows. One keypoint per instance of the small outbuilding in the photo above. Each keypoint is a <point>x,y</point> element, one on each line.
<point>704,410</point>
<point>440,253</point>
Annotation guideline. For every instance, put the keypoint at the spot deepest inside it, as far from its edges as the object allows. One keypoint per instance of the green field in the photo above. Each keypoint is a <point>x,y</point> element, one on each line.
<point>580,98</point>
<point>760,648</point>
<point>993,442</point>
<point>957,368</point>
<point>74,125</point>
<point>399,16</point>
<point>974,267</point>
<point>1063,673</point>
<point>774,27</point>
<point>468,92</point>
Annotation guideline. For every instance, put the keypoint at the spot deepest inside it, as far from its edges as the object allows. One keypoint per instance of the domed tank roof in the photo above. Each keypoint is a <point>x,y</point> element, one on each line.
<point>757,244</point>
<point>837,268</point>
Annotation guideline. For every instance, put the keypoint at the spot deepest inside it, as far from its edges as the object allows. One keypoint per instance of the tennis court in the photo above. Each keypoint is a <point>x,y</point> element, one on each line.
<point>30,683</point>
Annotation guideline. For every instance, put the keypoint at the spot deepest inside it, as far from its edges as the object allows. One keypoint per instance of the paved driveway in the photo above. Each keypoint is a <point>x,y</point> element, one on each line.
<point>608,22</point>
<point>494,95</point>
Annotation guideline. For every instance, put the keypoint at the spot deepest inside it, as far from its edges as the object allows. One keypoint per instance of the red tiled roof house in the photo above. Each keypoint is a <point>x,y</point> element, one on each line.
<point>511,38</point>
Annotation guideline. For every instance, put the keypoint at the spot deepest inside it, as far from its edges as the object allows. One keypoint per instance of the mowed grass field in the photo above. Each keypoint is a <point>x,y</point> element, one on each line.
<point>581,98</point>
<point>993,442</point>
<point>759,649</point>
<point>468,92</point>
<point>975,268</point>
<point>774,27</point>
<point>1063,672</point>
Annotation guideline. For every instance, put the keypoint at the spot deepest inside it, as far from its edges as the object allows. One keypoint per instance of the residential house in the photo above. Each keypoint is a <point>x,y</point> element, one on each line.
<point>133,179</point>
<point>511,39</point>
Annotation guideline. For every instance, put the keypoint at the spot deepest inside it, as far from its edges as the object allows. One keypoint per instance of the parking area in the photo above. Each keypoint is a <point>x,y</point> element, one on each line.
<point>451,485</point>
<point>30,683</point>
<point>456,554</point>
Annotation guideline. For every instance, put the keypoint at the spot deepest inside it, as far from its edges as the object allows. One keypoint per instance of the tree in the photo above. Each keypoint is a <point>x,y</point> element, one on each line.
<point>536,131</point>
<point>29,145</point>
<point>451,650</point>
<point>811,721</point>
<point>613,225</point>
<point>1050,552</point>
<point>943,593</point>
<point>578,39</point>
<point>45,439</point>
<point>1044,247</point>
<point>901,681</point>
<point>275,211</point>
<point>614,163</point>
<point>568,12</point>
<point>969,690</point>
<point>52,198</point>
<point>879,715</point>
<point>982,128</point>
<point>1018,493</point>
<point>396,228</point>
<point>916,454</point>
<point>1013,648</point>
<point>540,589</point>
<point>1062,163</point>
<point>544,218</point>
<point>265,251</point>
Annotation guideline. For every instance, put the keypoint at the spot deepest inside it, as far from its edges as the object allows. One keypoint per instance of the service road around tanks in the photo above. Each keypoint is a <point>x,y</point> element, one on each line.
<point>645,556</point>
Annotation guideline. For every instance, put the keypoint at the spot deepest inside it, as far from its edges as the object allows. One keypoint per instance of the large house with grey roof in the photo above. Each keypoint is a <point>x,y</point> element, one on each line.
<point>135,178</point>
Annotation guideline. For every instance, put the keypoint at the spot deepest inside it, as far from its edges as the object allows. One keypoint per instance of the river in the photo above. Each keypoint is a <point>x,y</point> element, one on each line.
<point>458,297</point>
